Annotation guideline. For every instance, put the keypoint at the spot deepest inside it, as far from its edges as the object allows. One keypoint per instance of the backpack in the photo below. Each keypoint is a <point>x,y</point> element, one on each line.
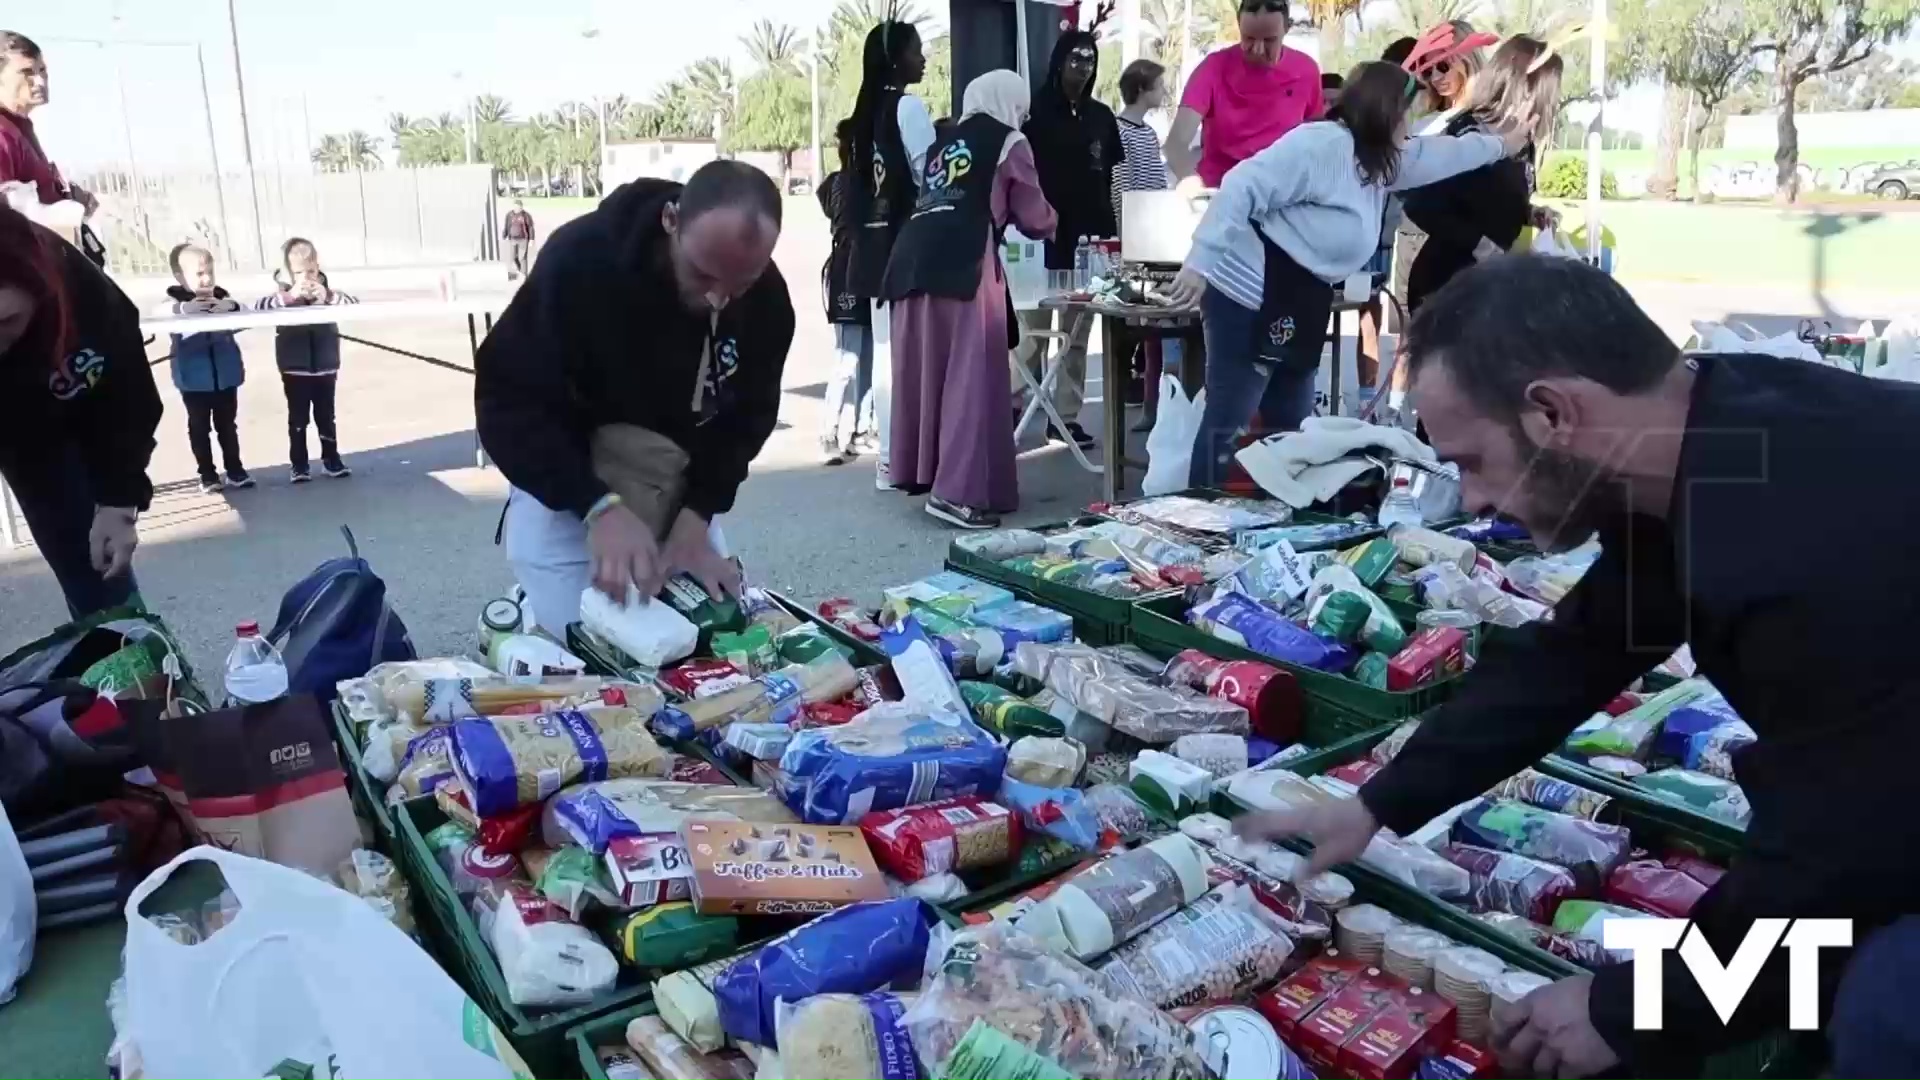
<point>335,624</point>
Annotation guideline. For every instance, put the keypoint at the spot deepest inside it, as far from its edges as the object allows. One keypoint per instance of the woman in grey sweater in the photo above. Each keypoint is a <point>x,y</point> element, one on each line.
<point>1286,226</point>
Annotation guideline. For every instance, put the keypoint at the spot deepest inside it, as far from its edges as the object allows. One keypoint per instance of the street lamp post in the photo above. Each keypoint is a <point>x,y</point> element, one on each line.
<point>246,138</point>
<point>813,113</point>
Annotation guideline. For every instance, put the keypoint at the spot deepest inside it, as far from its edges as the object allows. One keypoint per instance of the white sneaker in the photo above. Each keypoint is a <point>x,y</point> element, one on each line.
<point>882,476</point>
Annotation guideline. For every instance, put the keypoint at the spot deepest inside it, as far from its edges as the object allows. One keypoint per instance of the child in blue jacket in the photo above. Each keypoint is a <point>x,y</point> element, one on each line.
<point>207,368</point>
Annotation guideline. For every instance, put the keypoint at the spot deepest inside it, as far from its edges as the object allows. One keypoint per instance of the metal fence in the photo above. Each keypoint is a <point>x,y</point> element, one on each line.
<point>380,217</point>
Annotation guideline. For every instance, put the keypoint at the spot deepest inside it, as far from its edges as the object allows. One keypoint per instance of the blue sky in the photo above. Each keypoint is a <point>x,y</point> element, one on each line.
<point>349,63</point>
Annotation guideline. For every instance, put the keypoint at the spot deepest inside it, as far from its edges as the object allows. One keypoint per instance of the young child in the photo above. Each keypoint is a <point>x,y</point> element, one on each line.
<point>207,368</point>
<point>849,397</point>
<point>308,357</point>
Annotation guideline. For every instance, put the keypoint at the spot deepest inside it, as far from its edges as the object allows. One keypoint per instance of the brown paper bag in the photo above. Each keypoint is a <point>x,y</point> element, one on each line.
<point>646,469</point>
<point>264,780</point>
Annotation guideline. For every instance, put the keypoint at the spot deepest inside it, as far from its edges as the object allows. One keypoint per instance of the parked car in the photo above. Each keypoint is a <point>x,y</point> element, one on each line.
<point>1895,182</point>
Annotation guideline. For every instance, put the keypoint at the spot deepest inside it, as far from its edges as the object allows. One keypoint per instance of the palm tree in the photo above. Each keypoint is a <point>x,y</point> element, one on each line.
<point>362,149</point>
<point>711,88</point>
<point>773,47</point>
<point>399,124</point>
<point>331,154</point>
<point>491,109</point>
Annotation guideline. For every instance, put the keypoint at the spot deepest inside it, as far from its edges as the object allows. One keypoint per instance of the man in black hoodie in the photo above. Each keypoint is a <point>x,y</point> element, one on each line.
<point>1076,144</point>
<point>662,309</point>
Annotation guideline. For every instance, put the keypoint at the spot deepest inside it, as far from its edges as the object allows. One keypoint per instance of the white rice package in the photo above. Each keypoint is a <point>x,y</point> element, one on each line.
<point>548,960</point>
<point>650,632</point>
<point>1118,898</point>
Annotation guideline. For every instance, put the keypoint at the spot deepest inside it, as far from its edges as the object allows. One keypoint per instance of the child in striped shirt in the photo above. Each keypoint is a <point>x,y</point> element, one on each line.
<point>1143,88</point>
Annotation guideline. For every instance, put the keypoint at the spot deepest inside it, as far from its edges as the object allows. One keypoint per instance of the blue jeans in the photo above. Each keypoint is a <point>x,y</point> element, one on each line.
<point>1237,386</point>
<point>850,390</point>
<point>1872,1032</point>
<point>50,483</point>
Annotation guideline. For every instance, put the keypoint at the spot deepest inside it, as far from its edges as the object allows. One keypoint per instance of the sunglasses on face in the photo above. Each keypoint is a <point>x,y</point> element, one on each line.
<point>1440,70</point>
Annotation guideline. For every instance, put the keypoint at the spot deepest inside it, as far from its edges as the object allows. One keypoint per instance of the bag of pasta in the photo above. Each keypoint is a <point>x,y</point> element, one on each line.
<point>511,761</point>
<point>990,986</point>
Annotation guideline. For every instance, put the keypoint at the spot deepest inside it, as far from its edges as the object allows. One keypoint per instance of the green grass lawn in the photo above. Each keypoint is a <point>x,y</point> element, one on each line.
<point>1820,157</point>
<point>1867,247</point>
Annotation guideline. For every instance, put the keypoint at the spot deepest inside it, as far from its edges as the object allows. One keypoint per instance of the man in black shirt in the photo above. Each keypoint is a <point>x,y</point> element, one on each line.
<point>1712,482</point>
<point>662,309</point>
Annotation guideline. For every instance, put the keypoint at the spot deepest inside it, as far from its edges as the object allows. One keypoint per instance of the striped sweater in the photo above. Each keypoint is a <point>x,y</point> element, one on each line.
<point>1142,167</point>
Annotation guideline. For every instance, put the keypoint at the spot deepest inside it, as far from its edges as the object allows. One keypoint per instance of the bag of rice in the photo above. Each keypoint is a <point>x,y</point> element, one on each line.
<point>509,761</point>
<point>846,1035</point>
<point>895,754</point>
<point>940,837</point>
<point>1116,899</point>
<point>546,958</point>
<point>595,815</point>
<point>1045,762</point>
<point>1217,948</point>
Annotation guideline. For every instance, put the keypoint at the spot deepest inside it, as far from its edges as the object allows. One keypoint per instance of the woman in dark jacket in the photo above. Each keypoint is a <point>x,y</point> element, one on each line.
<point>78,410</point>
<point>1478,214</point>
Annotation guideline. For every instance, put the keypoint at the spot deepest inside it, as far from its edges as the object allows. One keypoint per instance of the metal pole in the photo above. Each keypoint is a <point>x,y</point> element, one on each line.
<point>1597,127</point>
<point>813,105</point>
<point>246,138</point>
<point>600,174</point>
<point>213,151</point>
<point>1020,38</point>
<point>126,131</point>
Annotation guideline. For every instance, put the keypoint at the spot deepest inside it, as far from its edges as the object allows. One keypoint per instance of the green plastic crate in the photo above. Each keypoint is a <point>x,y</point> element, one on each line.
<point>1097,619</point>
<point>865,653</point>
<point>1782,1054</point>
<point>1682,821</point>
<point>1162,624</point>
<point>368,800</point>
<point>541,1037</point>
<point>608,1030</point>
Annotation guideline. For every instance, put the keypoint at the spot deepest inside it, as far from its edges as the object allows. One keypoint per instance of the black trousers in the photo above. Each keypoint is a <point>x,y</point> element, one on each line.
<point>310,397</point>
<point>212,412</point>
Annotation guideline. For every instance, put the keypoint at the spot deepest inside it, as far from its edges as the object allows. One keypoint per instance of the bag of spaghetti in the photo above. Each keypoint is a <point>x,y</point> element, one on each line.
<point>441,701</point>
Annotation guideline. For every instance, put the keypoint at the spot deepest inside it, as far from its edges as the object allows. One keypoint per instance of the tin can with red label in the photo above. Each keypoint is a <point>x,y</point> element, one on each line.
<point>1272,698</point>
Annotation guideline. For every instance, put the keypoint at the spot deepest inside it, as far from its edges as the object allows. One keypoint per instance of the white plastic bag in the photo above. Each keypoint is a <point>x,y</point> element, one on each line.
<point>1900,355</point>
<point>16,911</point>
<point>1548,242</point>
<point>304,973</point>
<point>1170,443</point>
<point>1713,337</point>
<point>650,632</point>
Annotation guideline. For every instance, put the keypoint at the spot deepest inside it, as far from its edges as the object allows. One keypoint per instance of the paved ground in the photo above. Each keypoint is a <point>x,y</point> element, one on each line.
<point>425,515</point>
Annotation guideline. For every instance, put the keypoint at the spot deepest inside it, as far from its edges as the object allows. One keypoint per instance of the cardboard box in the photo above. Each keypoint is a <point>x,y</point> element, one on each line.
<point>652,868</point>
<point>1299,994</point>
<point>1391,1044</point>
<point>1436,653</point>
<point>744,868</point>
<point>1460,1060</point>
<point>1322,1036</point>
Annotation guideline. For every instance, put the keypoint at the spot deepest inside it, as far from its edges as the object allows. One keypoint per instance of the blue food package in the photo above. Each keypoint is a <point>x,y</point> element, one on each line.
<point>1490,531</point>
<point>1696,717</point>
<point>955,593</point>
<point>855,950</point>
<point>924,670</point>
<point>1027,622</point>
<point>1239,620</point>
<point>492,770</point>
<point>893,755</point>
<point>1061,813</point>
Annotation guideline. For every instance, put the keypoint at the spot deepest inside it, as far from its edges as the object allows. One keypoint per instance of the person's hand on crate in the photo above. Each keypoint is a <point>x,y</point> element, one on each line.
<point>623,551</point>
<point>1339,831</point>
<point>1551,1033</point>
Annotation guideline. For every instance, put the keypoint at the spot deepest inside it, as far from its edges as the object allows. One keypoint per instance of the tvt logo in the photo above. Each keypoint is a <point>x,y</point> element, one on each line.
<point>946,170</point>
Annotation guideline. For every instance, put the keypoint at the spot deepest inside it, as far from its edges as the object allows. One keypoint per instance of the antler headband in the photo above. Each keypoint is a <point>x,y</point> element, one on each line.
<point>1100,15</point>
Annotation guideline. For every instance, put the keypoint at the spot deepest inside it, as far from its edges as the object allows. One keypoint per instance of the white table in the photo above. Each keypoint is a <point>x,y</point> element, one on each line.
<point>481,304</point>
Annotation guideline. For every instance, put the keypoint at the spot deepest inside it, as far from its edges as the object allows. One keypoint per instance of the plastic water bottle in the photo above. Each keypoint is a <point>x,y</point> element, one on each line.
<point>256,672</point>
<point>1082,259</point>
<point>1399,507</point>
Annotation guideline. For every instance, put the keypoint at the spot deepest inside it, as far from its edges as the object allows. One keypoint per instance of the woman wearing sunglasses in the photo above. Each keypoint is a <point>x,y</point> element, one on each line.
<point>1286,225</point>
<point>1478,214</point>
<point>1240,100</point>
<point>1445,59</point>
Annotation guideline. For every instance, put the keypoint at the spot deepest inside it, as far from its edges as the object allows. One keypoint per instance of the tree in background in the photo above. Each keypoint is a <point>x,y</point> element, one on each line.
<point>1810,38</point>
<point>1881,81</point>
<point>774,47</point>
<point>773,115</point>
<point>491,109</point>
<point>712,93</point>
<point>1703,50</point>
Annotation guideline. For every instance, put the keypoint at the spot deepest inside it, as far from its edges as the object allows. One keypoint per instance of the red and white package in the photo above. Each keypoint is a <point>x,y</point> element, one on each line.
<point>649,869</point>
<point>850,617</point>
<point>942,837</point>
<point>696,679</point>
<point>1357,772</point>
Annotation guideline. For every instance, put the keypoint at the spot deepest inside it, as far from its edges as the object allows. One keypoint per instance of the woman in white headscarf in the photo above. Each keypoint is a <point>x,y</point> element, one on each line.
<point>952,401</point>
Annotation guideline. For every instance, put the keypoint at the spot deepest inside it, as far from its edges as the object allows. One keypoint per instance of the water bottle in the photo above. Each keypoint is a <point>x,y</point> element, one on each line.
<point>1399,507</point>
<point>256,673</point>
<point>1081,260</point>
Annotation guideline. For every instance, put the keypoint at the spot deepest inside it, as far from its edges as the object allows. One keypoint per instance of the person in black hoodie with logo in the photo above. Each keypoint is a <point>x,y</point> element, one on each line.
<point>849,398</point>
<point>78,409</point>
<point>1076,144</point>
<point>662,309</point>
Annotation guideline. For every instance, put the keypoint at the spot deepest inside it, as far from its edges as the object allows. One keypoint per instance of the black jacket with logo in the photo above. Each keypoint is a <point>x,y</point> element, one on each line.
<point>1806,631</point>
<point>939,252</point>
<point>598,335</point>
<point>99,396</point>
<point>1076,144</point>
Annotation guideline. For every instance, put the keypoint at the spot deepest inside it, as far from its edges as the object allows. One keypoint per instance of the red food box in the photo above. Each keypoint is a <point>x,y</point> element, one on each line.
<point>702,678</point>
<point>1356,773</point>
<point>1321,1037</point>
<point>1429,656</point>
<point>1698,869</point>
<point>1654,888</point>
<point>1390,1046</point>
<point>1299,994</point>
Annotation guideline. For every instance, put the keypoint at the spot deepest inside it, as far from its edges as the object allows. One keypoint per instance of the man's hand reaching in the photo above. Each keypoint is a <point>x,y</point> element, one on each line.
<point>624,555</point>
<point>689,550</point>
<point>1339,831</point>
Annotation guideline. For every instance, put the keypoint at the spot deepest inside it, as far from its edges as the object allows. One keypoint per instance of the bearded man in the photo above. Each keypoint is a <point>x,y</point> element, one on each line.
<point>1709,481</point>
